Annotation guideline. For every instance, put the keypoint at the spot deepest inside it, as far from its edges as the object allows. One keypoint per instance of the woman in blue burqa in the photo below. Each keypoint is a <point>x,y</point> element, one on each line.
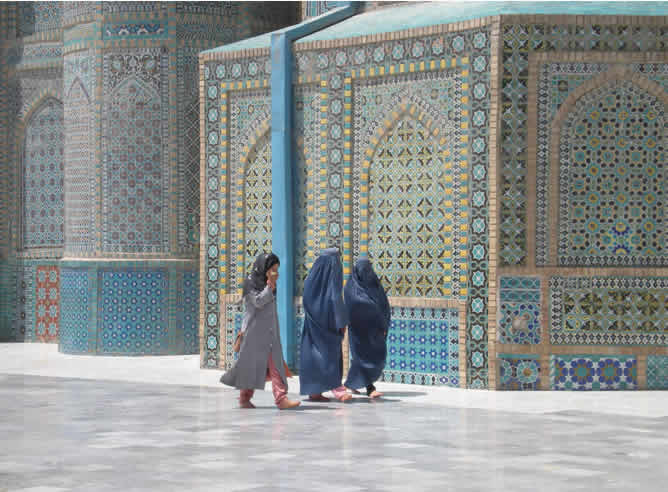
<point>325,321</point>
<point>369,314</point>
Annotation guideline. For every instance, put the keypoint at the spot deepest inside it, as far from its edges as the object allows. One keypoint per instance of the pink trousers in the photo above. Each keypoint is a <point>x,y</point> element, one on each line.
<point>339,392</point>
<point>279,388</point>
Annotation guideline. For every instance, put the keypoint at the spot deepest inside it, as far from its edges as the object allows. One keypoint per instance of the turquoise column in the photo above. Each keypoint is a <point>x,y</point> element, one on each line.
<point>282,188</point>
<point>282,165</point>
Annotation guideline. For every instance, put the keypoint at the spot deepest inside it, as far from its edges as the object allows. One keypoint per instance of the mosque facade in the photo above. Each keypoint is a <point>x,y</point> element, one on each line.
<point>502,164</point>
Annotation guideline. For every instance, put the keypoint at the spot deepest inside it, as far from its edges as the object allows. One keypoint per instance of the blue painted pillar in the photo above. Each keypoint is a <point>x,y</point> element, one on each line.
<point>282,188</point>
<point>282,165</point>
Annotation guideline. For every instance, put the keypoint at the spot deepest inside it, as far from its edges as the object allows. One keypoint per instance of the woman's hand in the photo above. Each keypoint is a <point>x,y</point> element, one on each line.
<point>272,277</point>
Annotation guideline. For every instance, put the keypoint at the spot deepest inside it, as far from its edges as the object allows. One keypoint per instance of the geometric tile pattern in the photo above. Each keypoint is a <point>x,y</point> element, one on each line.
<point>39,16</point>
<point>190,187</point>
<point>413,188</point>
<point>657,372</point>
<point>132,307</point>
<point>135,178</point>
<point>8,301</point>
<point>413,227</point>
<point>456,61</point>
<point>190,305</point>
<point>612,176</point>
<point>518,372</point>
<point>314,9</point>
<point>26,309</point>
<point>47,305</point>
<point>257,206</point>
<point>609,310</point>
<point>519,306</point>
<point>555,82</point>
<point>79,173</point>
<point>251,168</point>
<point>188,148</point>
<point>423,347</point>
<point>306,180</point>
<point>593,372</point>
<point>234,316</point>
<point>43,177</point>
<point>519,41</point>
<point>75,322</point>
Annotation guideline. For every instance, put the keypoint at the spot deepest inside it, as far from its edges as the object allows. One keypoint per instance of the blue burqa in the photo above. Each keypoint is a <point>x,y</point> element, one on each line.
<point>369,313</point>
<point>321,365</point>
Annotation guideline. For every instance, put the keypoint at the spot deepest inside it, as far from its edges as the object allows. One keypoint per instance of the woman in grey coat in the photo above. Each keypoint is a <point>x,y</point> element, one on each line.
<point>261,355</point>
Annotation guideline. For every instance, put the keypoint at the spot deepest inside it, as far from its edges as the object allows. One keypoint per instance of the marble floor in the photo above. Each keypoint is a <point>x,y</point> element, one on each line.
<point>87,424</point>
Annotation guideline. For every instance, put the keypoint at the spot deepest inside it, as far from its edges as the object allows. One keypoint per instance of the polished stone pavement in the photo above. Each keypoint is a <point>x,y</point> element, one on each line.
<point>94,433</point>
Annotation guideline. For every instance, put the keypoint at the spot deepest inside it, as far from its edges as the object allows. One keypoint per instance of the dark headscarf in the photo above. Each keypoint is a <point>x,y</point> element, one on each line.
<point>257,280</point>
<point>369,313</point>
<point>321,360</point>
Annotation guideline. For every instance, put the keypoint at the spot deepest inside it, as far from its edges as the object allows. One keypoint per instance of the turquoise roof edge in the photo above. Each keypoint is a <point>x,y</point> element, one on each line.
<point>264,40</point>
<point>434,13</point>
<point>415,15</point>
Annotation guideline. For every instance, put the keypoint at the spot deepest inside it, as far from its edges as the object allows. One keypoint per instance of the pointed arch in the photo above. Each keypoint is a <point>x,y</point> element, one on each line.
<point>563,229</point>
<point>81,86</point>
<point>252,204</point>
<point>42,174</point>
<point>79,178</point>
<point>409,224</point>
<point>135,155</point>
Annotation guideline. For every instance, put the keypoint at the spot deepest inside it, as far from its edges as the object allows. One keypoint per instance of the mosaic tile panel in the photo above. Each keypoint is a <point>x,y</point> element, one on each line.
<point>189,134</point>
<point>189,305</point>
<point>402,243</point>
<point>433,239</point>
<point>43,177</point>
<point>36,17</point>
<point>118,7</point>
<point>609,311</point>
<point>31,89</point>
<point>519,310</point>
<point>216,232</point>
<point>73,10</point>
<point>79,120</point>
<point>556,81</point>
<point>423,347</point>
<point>250,185</point>
<point>133,314</point>
<point>657,372</point>
<point>411,62</point>
<point>234,315</point>
<point>47,303</point>
<point>593,372</point>
<point>26,289</point>
<point>8,301</point>
<point>314,9</point>
<point>257,204</point>
<point>306,181</point>
<point>611,180</point>
<point>135,179</point>
<point>134,30</point>
<point>519,40</point>
<point>518,372</point>
<point>299,331</point>
<point>77,333</point>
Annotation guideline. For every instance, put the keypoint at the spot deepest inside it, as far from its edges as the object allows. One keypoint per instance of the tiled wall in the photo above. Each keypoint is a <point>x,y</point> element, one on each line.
<point>368,115</point>
<point>582,204</point>
<point>100,161</point>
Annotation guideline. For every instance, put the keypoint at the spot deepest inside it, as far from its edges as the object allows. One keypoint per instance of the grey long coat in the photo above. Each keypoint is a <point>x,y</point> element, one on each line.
<point>261,337</point>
